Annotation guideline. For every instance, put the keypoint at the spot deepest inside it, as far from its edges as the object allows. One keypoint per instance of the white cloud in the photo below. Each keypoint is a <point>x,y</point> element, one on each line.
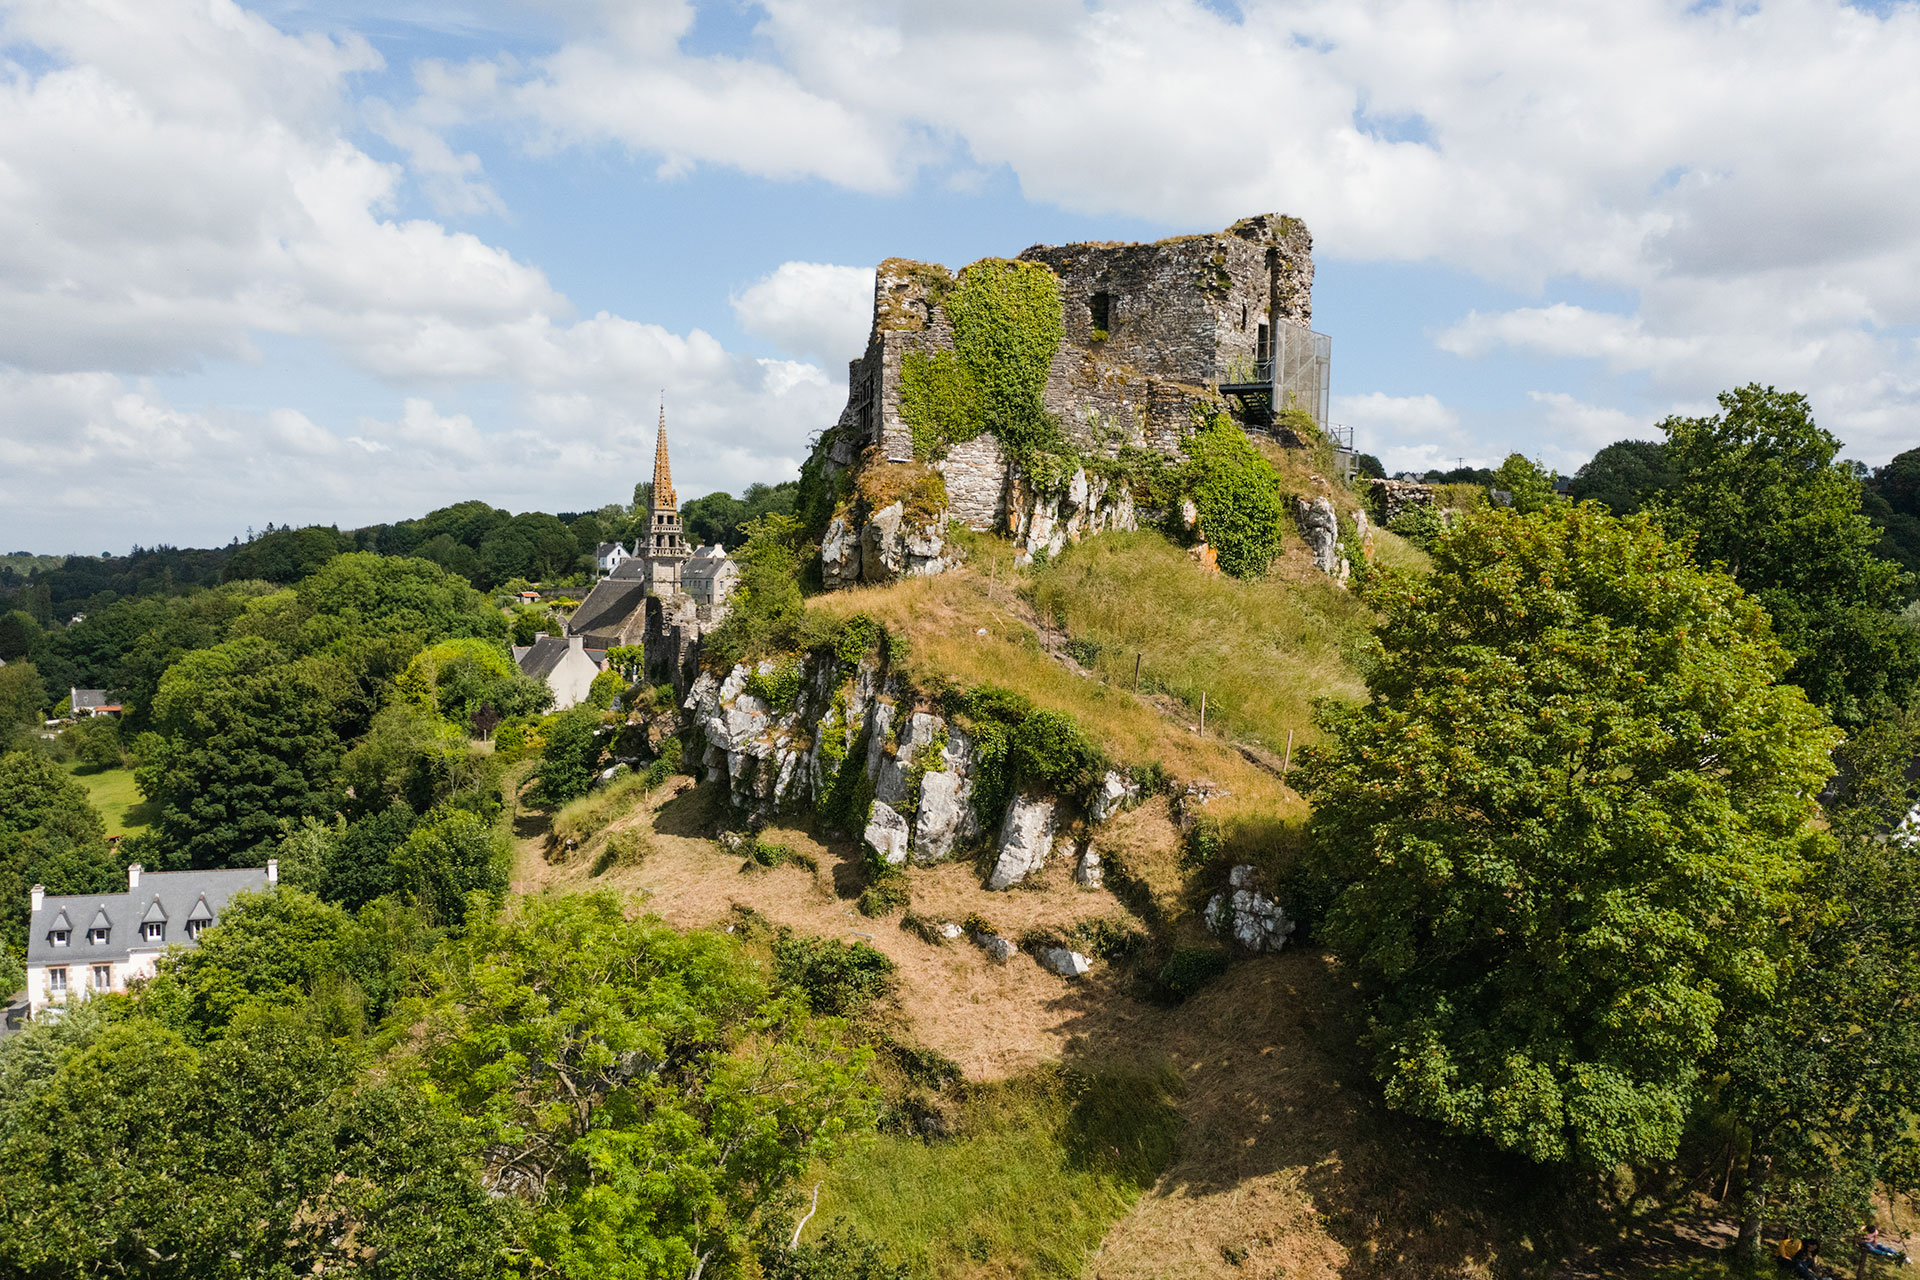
<point>810,309</point>
<point>1407,433</point>
<point>1750,173</point>
<point>176,181</point>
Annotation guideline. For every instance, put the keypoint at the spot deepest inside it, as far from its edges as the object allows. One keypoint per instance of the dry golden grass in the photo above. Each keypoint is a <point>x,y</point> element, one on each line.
<point>994,1020</point>
<point>964,628</point>
<point>1285,1164</point>
<point>1261,651</point>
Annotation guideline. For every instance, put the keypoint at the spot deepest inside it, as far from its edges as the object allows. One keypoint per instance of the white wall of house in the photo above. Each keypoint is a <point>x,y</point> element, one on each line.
<point>572,678</point>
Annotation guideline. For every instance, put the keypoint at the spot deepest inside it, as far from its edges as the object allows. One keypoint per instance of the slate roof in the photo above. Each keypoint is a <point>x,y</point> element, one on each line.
<point>608,548</point>
<point>545,654</point>
<point>706,565</point>
<point>612,601</point>
<point>179,896</point>
<point>91,699</point>
<point>632,569</point>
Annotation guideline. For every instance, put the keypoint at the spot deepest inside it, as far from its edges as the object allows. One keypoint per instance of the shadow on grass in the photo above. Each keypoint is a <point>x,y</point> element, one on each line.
<point>1276,1110</point>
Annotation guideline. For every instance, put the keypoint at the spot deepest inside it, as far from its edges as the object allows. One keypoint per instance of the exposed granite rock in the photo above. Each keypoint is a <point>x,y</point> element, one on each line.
<point>887,833</point>
<point>1068,964</point>
<point>840,553</point>
<point>1250,917</point>
<point>998,949</point>
<point>1320,528</point>
<point>1088,873</point>
<point>1026,833</point>
<point>1117,794</point>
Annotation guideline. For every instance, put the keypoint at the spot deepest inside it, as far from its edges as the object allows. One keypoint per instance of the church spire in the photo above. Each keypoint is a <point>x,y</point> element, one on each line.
<point>663,497</point>
<point>666,546</point>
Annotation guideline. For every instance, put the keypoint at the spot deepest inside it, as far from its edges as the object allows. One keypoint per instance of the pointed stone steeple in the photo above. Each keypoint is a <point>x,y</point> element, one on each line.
<point>663,497</point>
<point>666,545</point>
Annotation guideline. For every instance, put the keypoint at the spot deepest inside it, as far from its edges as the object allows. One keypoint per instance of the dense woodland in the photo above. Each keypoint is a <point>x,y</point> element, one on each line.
<point>1605,796</point>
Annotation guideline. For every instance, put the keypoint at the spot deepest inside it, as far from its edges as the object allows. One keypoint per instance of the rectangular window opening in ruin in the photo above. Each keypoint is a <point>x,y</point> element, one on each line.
<point>1262,344</point>
<point>1243,317</point>
<point>1100,305</point>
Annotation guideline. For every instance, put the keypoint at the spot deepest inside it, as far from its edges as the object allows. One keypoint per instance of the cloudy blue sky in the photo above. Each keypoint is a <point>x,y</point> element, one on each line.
<point>348,261</point>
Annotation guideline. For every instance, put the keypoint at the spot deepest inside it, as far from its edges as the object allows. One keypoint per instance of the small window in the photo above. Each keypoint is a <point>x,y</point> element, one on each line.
<point>194,927</point>
<point>103,977</point>
<point>56,982</point>
<point>1262,344</point>
<point>58,937</point>
<point>1099,307</point>
<point>97,937</point>
<point>1243,317</point>
<point>154,931</point>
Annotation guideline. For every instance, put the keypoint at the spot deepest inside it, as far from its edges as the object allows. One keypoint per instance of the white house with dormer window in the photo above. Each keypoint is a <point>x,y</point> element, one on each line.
<point>609,556</point>
<point>82,943</point>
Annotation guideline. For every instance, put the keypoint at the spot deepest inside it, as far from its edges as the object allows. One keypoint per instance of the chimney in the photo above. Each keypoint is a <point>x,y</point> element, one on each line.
<point>273,872</point>
<point>37,896</point>
<point>133,877</point>
<point>576,644</point>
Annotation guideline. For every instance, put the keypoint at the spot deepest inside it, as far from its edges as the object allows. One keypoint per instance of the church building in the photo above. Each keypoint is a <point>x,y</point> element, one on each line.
<point>687,587</point>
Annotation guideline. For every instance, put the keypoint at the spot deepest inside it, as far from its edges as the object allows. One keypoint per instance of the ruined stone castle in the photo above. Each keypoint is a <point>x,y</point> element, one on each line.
<point>1149,334</point>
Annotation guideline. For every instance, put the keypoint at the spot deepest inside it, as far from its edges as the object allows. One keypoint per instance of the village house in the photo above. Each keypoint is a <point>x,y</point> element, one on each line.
<point>92,702</point>
<point>565,663</point>
<point>82,944</point>
<point>610,556</point>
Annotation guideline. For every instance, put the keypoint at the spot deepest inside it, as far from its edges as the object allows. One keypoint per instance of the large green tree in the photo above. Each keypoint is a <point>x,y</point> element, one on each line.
<point>50,834</point>
<point>643,1091</point>
<point>1758,489</point>
<point>248,740</point>
<point>1624,476</point>
<point>127,1151</point>
<point>1564,827</point>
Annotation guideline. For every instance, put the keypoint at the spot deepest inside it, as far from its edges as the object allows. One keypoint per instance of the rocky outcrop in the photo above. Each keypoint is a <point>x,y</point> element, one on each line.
<point>887,833</point>
<point>1320,529</point>
<point>998,949</point>
<point>1026,833</point>
<point>1249,917</point>
<point>1088,875</point>
<point>887,545</point>
<point>946,820</point>
<point>1052,520</point>
<point>920,767</point>
<point>1117,794</point>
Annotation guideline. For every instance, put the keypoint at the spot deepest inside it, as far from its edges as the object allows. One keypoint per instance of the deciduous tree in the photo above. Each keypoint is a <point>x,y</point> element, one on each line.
<point>1565,826</point>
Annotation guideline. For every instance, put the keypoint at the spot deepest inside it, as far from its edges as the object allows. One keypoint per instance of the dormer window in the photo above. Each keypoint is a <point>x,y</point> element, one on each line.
<point>59,937</point>
<point>194,927</point>
<point>97,937</point>
<point>154,931</point>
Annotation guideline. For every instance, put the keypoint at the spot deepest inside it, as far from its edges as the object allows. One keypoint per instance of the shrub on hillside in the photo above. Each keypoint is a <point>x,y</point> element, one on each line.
<point>1237,493</point>
<point>838,978</point>
<point>1190,968</point>
<point>570,758</point>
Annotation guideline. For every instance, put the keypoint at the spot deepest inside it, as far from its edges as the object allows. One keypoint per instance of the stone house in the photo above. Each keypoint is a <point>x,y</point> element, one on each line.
<point>709,576</point>
<point>565,663</point>
<point>80,944</point>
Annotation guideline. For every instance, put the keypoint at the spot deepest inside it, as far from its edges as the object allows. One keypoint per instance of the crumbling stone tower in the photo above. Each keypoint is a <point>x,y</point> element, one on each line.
<point>1148,336</point>
<point>1149,332</point>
